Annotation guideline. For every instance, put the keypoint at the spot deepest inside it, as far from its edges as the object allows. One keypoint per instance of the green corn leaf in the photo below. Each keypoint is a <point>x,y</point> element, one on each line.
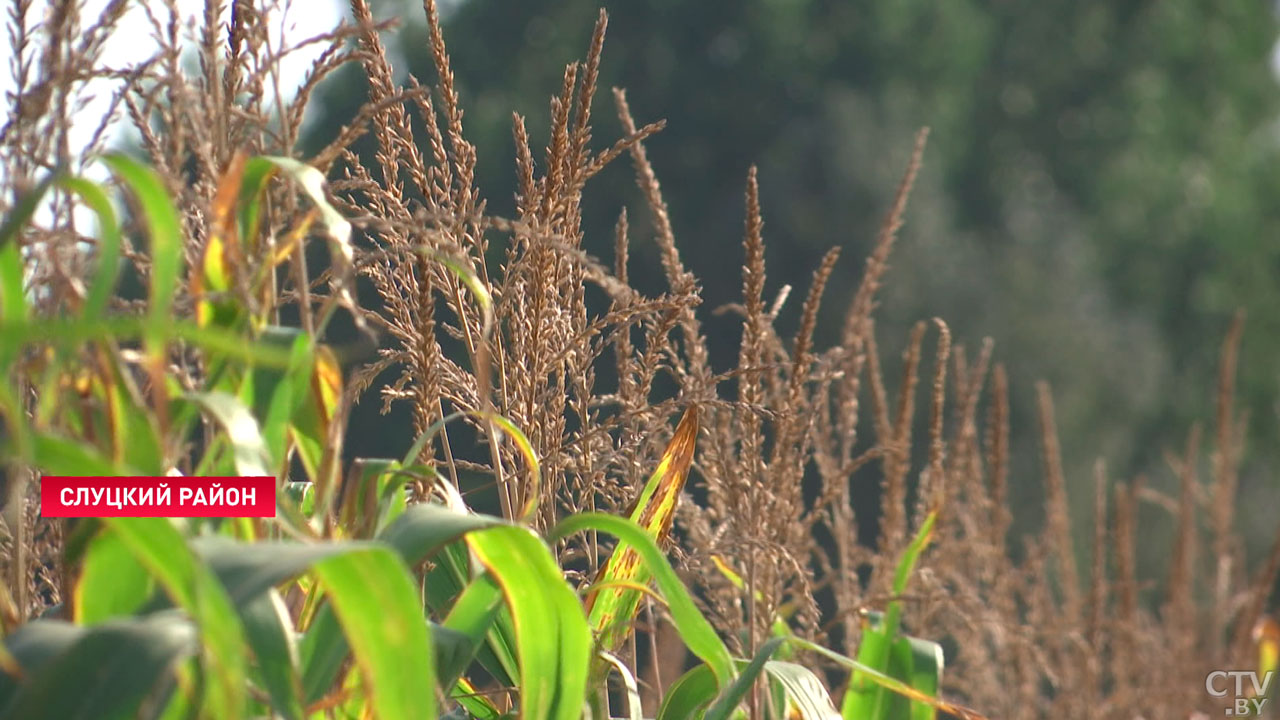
<point>322,651</point>
<point>474,703</point>
<point>113,583</point>
<point>316,401</point>
<point>419,533</point>
<point>178,702</point>
<point>241,428</point>
<point>13,294</point>
<point>454,651</point>
<point>886,681</point>
<point>278,394</point>
<point>23,210</point>
<point>920,663</point>
<point>247,570</point>
<point>301,494</point>
<point>161,548</point>
<point>61,456</point>
<point>271,637</point>
<point>689,696</point>
<point>553,642</point>
<point>257,171</point>
<point>70,333</point>
<point>31,647</point>
<point>426,528</point>
<point>729,700</point>
<point>374,596</point>
<point>220,285</point>
<point>907,563</point>
<point>629,684</point>
<point>692,626</point>
<point>805,696</point>
<point>471,617</point>
<point>104,672</point>
<point>445,582</point>
<point>867,699</point>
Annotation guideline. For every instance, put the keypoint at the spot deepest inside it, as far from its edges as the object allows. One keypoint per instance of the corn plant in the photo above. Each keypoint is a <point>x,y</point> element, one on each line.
<point>195,333</point>
<point>319,613</point>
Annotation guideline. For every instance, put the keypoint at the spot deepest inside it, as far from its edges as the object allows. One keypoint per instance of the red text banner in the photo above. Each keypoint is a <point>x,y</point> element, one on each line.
<point>165,496</point>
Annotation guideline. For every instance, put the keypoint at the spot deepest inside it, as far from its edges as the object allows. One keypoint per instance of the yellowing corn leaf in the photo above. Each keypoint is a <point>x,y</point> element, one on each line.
<point>326,383</point>
<point>312,420</point>
<point>612,608</point>
<point>222,259</point>
<point>1266,635</point>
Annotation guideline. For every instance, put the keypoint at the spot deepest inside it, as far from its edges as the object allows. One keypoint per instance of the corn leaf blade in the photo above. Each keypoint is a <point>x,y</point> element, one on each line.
<point>553,642</point>
<point>375,599</point>
<point>612,609</point>
<point>693,627</point>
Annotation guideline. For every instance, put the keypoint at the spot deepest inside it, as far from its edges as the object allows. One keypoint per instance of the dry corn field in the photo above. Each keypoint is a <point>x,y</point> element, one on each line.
<point>475,315</point>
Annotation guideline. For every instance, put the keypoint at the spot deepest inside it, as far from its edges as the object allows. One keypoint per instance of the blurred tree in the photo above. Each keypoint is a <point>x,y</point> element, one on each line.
<point>1099,195</point>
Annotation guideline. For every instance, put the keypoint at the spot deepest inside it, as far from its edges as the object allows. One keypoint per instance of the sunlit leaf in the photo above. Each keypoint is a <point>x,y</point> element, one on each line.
<point>479,706</point>
<point>112,582</point>
<point>471,617</point>
<point>890,683</point>
<point>109,239</point>
<point>13,299</point>
<point>868,699</point>
<point>419,533</point>
<point>242,431</point>
<point>629,685</point>
<point>552,639</point>
<point>805,697</point>
<point>61,456</point>
<point>690,623</point>
<point>338,228</point>
<point>612,610</point>
<point>374,597</point>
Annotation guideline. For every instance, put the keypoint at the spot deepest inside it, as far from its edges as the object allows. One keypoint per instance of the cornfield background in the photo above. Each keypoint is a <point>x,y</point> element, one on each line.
<point>594,517</point>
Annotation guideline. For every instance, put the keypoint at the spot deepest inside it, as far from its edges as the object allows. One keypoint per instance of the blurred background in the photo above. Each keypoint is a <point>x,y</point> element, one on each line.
<point>1100,193</point>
